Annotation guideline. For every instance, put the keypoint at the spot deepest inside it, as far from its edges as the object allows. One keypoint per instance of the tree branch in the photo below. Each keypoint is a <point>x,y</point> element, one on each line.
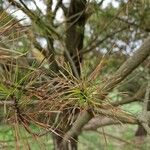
<point>101,121</point>
<point>133,62</point>
<point>137,97</point>
<point>83,118</point>
<point>138,57</point>
<point>99,42</point>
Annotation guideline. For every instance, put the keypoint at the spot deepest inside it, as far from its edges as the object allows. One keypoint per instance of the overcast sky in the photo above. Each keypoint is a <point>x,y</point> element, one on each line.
<point>59,16</point>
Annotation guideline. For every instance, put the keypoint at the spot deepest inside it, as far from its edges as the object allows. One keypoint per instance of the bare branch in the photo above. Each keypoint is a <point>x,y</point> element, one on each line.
<point>101,121</point>
<point>137,97</point>
<point>99,42</point>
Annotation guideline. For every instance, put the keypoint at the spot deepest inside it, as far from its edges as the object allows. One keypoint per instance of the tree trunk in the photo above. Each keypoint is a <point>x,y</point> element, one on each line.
<point>76,19</point>
<point>141,133</point>
<point>71,145</point>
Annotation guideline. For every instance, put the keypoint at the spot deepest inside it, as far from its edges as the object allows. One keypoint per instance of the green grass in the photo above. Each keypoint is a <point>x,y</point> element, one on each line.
<point>87,141</point>
<point>8,140</point>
